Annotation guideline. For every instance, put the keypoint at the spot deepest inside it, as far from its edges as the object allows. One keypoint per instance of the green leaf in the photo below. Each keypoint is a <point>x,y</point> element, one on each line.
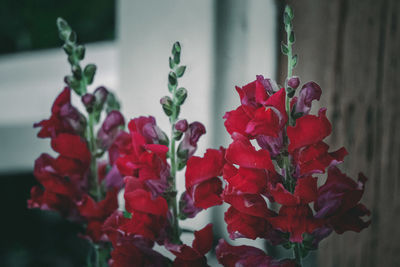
<point>286,19</point>
<point>176,48</point>
<point>171,63</point>
<point>172,79</point>
<point>68,49</point>
<point>181,95</point>
<point>294,61</point>
<point>290,92</point>
<point>112,103</point>
<point>180,71</point>
<point>72,37</point>
<point>167,105</point>
<point>284,49</point>
<point>62,25</point>
<point>89,72</point>
<point>289,12</point>
<point>177,135</point>
<point>77,72</point>
<point>181,163</point>
<point>177,58</point>
<point>292,38</point>
<point>80,52</point>
<point>127,215</point>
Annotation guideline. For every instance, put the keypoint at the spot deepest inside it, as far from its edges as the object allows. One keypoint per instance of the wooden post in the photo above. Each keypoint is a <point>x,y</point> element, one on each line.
<point>352,49</point>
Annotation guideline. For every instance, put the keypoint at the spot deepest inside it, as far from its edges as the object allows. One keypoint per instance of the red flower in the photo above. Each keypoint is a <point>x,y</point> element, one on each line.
<point>237,120</point>
<point>45,200</point>
<point>193,256</point>
<point>71,146</point>
<point>110,129</point>
<point>248,216</point>
<point>308,130</point>
<point>245,180</point>
<point>202,182</point>
<point>247,256</point>
<point>337,202</point>
<point>295,216</point>
<point>243,153</point>
<point>147,127</point>
<point>64,118</point>
<point>133,250</point>
<point>315,158</point>
<point>149,213</point>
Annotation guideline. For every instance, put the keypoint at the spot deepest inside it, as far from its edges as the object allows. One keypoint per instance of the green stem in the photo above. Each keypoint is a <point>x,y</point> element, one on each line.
<point>96,188</point>
<point>286,159</point>
<point>297,254</point>
<point>172,153</point>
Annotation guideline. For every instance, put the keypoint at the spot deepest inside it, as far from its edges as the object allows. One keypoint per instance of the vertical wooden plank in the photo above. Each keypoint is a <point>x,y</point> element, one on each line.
<point>351,48</point>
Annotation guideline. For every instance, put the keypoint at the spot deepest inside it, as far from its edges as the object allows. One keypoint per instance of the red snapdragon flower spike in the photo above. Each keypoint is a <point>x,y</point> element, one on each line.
<point>295,216</point>
<point>308,130</point>
<point>193,256</point>
<point>64,118</point>
<point>247,256</point>
<point>338,202</point>
<point>201,178</point>
<point>146,161</point>
<point>243,153</point>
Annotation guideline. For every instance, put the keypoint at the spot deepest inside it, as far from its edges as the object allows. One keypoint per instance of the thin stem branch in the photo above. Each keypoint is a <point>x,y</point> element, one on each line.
<point>172,153</point>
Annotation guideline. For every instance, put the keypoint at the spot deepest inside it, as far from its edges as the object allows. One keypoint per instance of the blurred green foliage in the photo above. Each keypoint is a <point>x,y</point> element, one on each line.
<point>31,24</point>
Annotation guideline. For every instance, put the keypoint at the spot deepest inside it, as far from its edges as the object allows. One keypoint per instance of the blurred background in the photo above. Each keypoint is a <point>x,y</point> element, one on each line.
<point>349,47</point>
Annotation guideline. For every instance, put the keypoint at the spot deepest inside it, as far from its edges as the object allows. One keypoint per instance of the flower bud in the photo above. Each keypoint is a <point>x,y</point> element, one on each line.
<point>109,129</point>
<point>100,94</point>
<point>294,82</point>
<point>181,95</point>
<point>89,72</point>
<point>88,101</point>
<point>309,92</point>
<point>167,105</point>
<point>181,126</point>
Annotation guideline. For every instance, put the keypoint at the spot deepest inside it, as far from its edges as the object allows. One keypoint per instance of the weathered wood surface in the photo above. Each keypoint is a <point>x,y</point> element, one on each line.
<point>352,49</point>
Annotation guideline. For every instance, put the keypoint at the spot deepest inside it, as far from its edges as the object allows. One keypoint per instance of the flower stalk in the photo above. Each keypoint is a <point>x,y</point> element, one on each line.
<point>287,49</point>
<point>172,109</point>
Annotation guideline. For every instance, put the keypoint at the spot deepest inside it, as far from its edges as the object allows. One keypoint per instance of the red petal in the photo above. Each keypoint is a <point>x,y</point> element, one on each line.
<point>201,169</point>
<point>308,130</point>
<point>208,193</point>
<point>203,239</point>
<point>236,121</point>
<point>242,153</point>
<point>141,200</point>
<point>71,146</point>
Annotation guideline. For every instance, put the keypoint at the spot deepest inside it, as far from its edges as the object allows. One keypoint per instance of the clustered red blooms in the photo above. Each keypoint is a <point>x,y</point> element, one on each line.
<point>65,184</point>
<point>252,178</point>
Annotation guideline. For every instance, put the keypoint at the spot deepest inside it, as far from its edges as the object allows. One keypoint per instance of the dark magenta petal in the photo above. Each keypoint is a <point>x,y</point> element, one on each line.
<point>309,92</point>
